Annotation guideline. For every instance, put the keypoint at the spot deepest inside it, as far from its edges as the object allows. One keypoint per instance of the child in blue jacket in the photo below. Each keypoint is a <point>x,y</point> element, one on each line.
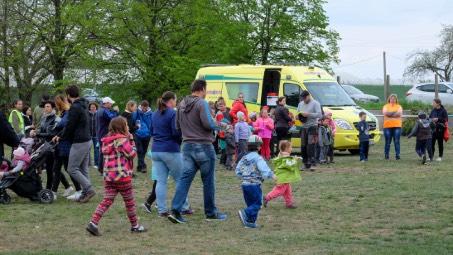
<point>252,169</point>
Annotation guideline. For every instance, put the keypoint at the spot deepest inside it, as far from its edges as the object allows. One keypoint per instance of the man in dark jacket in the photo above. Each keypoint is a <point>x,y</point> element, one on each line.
<point>103,117</point>
<point>196,123</point>
<point>7,135</point>
<point>78,132</point>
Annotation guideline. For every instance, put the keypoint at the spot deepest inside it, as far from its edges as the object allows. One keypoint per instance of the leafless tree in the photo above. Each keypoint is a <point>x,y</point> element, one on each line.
<point>438,61</point>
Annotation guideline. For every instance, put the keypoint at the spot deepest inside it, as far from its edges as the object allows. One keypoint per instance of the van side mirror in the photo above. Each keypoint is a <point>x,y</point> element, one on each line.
<point>449,91</point>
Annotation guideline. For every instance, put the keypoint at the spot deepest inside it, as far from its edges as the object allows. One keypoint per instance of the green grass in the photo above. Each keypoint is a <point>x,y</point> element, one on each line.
<point>378,90</point>
<point>395,207</point>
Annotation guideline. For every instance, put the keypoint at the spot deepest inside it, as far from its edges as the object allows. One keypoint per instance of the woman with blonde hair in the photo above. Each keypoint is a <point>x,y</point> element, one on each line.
<point>392,112</point>
<point>62,153</point>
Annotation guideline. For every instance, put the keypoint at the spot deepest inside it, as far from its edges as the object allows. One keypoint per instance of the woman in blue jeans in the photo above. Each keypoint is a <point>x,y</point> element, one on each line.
<point>392,112</point>
<point>166,153</point>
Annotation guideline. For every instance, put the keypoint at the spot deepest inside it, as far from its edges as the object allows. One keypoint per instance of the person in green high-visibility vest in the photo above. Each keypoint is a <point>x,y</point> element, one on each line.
<point>16,119</point>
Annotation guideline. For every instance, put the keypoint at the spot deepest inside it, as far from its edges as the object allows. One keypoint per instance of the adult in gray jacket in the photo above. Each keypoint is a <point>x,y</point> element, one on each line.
<point>309,113</point>
<point>196,123</point>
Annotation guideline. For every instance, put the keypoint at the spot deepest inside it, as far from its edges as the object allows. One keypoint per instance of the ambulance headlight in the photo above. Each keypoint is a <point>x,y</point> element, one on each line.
<point>343,124</point>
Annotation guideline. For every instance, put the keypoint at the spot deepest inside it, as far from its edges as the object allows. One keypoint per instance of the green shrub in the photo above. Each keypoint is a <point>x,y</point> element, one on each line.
<point>411,106</point>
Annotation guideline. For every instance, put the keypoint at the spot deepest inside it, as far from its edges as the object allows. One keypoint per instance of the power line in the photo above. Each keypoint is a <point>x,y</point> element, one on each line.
<point>359,61</point>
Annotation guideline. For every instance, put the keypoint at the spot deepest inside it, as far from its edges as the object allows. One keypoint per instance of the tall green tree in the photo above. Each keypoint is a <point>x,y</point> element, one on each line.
<point>60,34</point>
<point>29,61</point>
<point>159,45</point>
<point>286,31</point>
<point>4,44</point>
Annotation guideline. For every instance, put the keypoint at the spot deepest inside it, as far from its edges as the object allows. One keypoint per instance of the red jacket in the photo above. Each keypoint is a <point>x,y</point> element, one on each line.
<point>119,152</point>
<point>238,106</point>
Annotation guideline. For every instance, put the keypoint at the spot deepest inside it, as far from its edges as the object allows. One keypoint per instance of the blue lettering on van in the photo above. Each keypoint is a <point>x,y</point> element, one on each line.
<point>214,92</point>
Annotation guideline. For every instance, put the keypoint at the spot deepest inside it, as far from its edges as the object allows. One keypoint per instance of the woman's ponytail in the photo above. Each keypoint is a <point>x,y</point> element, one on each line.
<point>162,101</point>
<point>161,104</point>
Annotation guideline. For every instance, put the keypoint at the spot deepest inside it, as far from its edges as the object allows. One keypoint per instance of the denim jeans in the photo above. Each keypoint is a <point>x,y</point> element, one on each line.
<point>253,197</point>
<point>142,147</point>
<point>164,164</point>
<point>389,134</point>
<point>197,157</point>
<point>364,147</point>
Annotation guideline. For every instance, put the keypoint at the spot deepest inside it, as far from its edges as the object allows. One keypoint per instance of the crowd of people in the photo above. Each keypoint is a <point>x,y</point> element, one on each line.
<point>186,138</point>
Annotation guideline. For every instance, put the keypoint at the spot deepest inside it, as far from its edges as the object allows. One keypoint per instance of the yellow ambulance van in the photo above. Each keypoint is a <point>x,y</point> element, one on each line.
<point>257,82</point>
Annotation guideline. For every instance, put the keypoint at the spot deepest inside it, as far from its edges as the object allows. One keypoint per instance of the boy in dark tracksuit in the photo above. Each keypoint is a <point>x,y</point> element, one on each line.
<point>364,137</point>
<point>423,131</point>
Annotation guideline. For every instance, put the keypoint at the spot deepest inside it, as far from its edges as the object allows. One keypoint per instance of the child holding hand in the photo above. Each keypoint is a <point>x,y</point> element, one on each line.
<point>252,170</point>
<point>287,171</point>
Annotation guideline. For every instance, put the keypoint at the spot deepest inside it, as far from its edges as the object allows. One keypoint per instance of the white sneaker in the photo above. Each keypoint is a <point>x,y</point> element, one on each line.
<point>68,191</point>
<point>95,167</point>
<point>439,159</point>
<point>54,196</point>
<point>75,196</point>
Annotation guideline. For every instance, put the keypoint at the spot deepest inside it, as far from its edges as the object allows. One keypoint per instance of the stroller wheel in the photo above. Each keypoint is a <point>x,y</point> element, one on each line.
<point>45,196</point>
<point>5,199</point>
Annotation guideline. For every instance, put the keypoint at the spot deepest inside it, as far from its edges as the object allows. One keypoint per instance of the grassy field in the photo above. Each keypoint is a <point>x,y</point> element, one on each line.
<point>394,207</point>
<point>377,90</point>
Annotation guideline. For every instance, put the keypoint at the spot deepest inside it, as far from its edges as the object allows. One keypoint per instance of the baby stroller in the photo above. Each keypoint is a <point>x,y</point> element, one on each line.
<point>27,183</point>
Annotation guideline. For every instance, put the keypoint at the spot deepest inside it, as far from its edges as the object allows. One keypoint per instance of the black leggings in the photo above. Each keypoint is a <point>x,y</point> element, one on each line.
<point>58,176</point>
<point>49,171</point>
<point>439,137</point>
<point>152,195</point>
<point>282,134</point>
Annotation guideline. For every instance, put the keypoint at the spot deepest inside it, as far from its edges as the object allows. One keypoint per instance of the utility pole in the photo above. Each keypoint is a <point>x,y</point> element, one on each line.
<point>387,81</point>
<point>436,86</point>
<point>386,89</point>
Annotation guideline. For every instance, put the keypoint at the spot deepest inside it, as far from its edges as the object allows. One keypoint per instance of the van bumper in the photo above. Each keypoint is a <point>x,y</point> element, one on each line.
<point>343,140</point>
<point>350,140</point>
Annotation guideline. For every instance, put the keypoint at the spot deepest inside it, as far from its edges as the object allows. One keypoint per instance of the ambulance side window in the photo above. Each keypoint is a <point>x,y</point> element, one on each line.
<point>249,89</point>
<point>292,94</point>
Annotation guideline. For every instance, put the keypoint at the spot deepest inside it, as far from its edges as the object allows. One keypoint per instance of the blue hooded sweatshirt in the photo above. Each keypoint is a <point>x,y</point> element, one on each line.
<point>146,119</point>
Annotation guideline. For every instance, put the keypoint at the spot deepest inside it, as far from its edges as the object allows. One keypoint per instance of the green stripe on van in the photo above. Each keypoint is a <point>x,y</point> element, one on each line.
<point>211,77</point>
<point>320,80</point>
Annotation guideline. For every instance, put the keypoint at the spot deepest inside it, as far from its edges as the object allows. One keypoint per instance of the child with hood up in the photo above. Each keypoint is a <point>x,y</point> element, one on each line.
<point>422,130</point>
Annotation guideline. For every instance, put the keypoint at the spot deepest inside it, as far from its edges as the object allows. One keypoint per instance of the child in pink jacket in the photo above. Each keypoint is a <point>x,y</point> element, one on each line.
<point>264,126</point>
<point>118,149</point>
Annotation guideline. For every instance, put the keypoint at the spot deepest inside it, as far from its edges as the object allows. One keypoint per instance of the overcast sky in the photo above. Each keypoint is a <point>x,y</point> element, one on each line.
<point>399,27</point>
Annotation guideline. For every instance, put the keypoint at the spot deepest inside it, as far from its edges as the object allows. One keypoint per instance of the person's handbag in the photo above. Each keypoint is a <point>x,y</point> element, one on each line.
<point>446,132</point>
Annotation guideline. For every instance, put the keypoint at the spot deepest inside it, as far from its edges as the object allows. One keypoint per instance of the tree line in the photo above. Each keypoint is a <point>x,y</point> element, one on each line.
<point>152,46</point>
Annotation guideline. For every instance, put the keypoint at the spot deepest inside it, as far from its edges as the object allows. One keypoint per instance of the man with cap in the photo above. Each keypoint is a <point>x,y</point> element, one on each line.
<point>309,113</point>
<point>103,117</point>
